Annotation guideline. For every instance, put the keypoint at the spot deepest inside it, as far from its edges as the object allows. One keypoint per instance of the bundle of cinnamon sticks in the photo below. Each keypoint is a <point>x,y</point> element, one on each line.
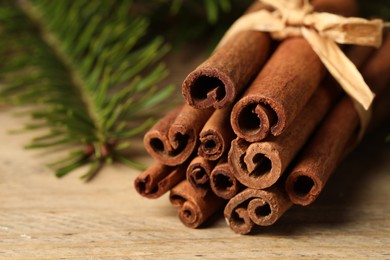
<point>262,127</point>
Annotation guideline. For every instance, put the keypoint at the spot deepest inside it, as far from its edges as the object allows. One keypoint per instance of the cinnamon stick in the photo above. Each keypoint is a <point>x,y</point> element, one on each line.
<point>259,165</point>
<point>282,88</point>
<point>216,135</point>
<point>174,138</point>
<point>223,182</point>
<point>224,75</point>
<point>194,209</point>
<point>279,92</point>
<point>251,206</point>
<point>158,179</point>
<point>198,174</point>
<point>336,135</point>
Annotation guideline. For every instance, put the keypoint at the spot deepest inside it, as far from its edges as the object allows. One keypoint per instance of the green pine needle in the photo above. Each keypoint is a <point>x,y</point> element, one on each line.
<point>88,66</point>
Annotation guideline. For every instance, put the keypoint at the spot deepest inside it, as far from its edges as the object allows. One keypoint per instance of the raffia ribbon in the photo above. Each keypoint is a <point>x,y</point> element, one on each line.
<point>322,31</point>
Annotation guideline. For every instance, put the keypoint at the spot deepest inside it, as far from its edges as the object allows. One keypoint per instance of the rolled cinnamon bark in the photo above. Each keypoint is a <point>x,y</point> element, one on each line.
<point>224,75</point>
<point>158,179</point>
<point>194,209</point>
<point>173,139</point>
<point>251,206</point>
<point>259,165</point>
<point>283,87</point>
<point>198,174</point>
<point>336,135</point>
<point>279,92</point>
<point>223,182</point>
<point>216,135</point>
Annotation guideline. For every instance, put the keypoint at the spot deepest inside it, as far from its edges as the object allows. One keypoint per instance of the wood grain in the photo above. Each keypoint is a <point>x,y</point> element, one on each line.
<point>42,217</point>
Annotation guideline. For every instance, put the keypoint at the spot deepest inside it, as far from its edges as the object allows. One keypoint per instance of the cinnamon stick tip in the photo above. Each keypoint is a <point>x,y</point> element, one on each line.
<point>211,145</point>
<point>207,87</point>
<point>172,151</point>
<point>141,186</point>
<point>238,220</point>
<point>223,183</point>
<point>302,188</point>
<point>253,117</point>
<point>256,165</point>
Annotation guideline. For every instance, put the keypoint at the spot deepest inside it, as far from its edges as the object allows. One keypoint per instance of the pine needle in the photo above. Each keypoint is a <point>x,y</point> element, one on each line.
<point>73,58</point>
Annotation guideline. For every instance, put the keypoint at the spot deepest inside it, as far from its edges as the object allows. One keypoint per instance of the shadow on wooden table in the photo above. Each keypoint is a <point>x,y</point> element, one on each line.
<point>345,195</point>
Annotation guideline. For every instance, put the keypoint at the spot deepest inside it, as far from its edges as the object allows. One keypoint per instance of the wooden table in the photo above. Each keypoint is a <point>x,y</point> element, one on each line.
<point>42,217</point>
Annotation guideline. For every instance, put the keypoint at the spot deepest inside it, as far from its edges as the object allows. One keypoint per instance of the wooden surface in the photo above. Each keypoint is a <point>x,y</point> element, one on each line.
<point>42,217</point>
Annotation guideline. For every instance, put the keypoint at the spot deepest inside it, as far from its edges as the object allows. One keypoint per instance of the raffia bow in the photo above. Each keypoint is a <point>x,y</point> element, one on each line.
<point>322,31</point>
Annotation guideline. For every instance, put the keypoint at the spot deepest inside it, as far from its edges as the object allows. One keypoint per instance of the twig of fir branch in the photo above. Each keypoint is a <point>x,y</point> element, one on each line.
<point>81,62</point>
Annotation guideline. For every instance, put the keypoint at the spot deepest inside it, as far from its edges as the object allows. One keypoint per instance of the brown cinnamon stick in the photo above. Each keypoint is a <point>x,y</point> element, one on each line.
<point>224,75</point>
<point>158,179</point>
<point>282,88</point>
<point>174,138</point>
<point>198,174</point>
<point>216,135</point>
<point>223,182</point>
<point>194,209</point>
<point>260,165</point>
<point>251,206</point>
<point>279,92</point>
<point>337,134</point>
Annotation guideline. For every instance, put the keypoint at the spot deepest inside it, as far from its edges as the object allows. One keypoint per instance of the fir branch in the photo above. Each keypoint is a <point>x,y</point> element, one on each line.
<point>83,61</point>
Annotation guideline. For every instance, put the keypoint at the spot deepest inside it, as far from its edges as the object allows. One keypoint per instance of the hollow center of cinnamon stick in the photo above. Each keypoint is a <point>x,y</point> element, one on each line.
<point>263,211</point>
<point>248,121</point>
<point>205,86</point>
<point>209,145</point>
<point>144,187</point>
<point>187,214</point>
<point>263,166</point>
<point>141,186</point>
<point>157,145</point>
<point>199,177</point>
<point>180,141</point>
<point>199,174</point>
<point>222,182</point>
<point>255,120</point>
<point>303,186</point>
<point>237,219</point>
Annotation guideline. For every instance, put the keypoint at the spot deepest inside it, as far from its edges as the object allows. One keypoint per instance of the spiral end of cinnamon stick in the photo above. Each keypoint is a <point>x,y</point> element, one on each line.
<point>260,207</point>
<point>172,150</point>
<point>158,179</point>
<point>238,220</point>
<point>212,145</point>
<point>256,165</point>
<point>189,213</point>
<point>267,206</point>
<point>261,212</point>
<point>198,173</point>
<point>145,187</point>
<point>223,183</point>
<point>194,209</point>
<point>206,87</point>
<point>254,118</point>
<point>303,189</point>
